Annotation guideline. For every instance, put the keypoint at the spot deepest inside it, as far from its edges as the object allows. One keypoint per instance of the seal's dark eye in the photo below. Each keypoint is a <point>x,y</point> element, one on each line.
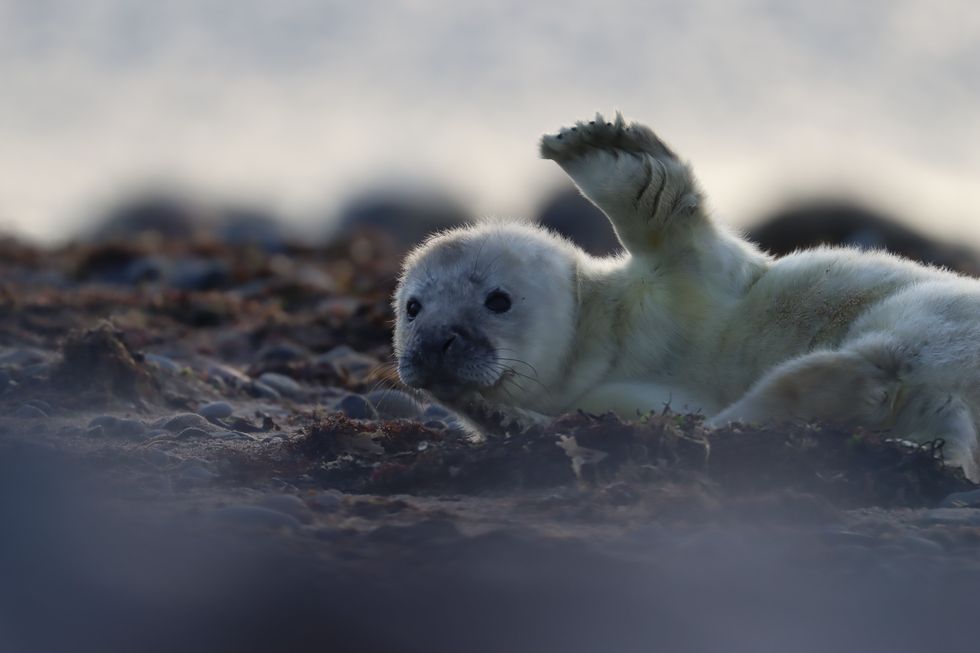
<point>413,307</point>
<point>498,301</point>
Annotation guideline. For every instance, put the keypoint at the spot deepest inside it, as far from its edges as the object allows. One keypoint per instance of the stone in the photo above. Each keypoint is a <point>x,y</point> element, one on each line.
<point>347,362</point>
<point>969,499</point>
<point>394,404</point>
<point>255,517</point>
<point>119,427</point>
<point>196,471</point>
<point>192,432</point>
<point>199,274</point>
<point>920,545</point>
<point>435,411</point>
<point>328,500</point>
<point>216,410</point>
<point>23,357</point>
<point>234,435</point>
<point>259,389</point>
<point>280,353</point>
<point>965,516</point>
<point>160,458</point>
<point>26,411</point>
<point>182,421</point>
<point>289,504</point>
<point>356,407</point>
<point>282,384</point>
<point>162,362</point>
<point>228,375</point>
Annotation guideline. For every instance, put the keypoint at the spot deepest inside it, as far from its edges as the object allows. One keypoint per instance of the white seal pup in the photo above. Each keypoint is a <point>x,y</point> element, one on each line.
<point>509,324</point>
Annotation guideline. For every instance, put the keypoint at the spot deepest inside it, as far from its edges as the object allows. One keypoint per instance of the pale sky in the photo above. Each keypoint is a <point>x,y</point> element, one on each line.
<point>297,105</point>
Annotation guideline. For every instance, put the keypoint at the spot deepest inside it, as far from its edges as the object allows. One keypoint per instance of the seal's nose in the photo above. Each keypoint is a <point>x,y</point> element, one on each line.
<point>449,343</point>
<point>441,355</point>
<point>440,350</point>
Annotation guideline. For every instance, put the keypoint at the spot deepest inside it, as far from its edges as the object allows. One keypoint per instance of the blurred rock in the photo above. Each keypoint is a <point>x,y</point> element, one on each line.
<point>970,499</point>
<point>26,411</point>
<point>288,504</point>
<point>162,362</point>
<point>118,427</point>
<point>255,517</point>
<point>839,222</point>
<point>403,218</point>
<point>154,215</point>
<point>394,404</point>
<point>574,217</point>
<point>216,410</point>
<point>347,363</point>
<point>357,407</point>
<point>199,274</point>
<point>282,384</point>
<point>250,226</point>
<point>282,353</point>
<point>183,421</point>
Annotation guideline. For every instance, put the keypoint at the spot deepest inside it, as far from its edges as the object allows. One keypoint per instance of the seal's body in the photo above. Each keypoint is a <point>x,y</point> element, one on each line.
<point>509,321</point>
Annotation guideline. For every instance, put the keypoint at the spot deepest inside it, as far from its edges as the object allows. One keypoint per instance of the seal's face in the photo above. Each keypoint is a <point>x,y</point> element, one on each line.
<point>473,309</point>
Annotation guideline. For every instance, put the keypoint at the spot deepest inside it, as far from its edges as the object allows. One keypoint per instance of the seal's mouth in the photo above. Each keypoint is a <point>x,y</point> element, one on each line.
<point>449,384</point>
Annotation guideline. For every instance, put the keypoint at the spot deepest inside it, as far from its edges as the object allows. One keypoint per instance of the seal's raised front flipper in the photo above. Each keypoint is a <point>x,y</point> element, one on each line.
<point>648,193</point>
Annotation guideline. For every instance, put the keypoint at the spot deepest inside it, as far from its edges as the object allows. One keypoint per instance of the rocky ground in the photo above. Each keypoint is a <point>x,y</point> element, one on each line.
<point>203,448</point>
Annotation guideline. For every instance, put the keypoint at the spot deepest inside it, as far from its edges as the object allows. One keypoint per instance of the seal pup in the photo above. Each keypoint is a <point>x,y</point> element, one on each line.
<point>509,324</point>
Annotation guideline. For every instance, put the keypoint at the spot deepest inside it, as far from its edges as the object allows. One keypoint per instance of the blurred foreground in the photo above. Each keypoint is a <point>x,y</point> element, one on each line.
<point>227,465</point>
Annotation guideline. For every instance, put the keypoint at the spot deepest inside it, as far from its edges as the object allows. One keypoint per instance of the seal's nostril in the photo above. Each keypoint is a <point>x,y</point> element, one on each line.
<point>449,343</point>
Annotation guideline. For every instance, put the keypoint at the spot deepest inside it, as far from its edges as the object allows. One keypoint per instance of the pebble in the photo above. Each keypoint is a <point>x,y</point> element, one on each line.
<point>23,357</point>
<point>969,499</point>
<point>259,389</point>
<point>283,352</point>
<point>26,411</point>
<point>42,405</point>
<point>118,427</point>
<point>216,410</point>
<point>160,458</point>
<point>920,545</point>
<point>192,432</point>
<point>182,421</point>
<point>289,504</point>
<point>196,470</point>
<point>256,517</point>
<point>234,434</point>
<point>394,404</point>
<point>435,411</point>
<point>282,384</point>
<point>37,371</point>
<point>146,269</point>
<point>357,407</point>
<point>162,362</point>
<point>199,274</point>
<point>965,516</point>
<point>347,362</point>
<point>328,500</point>
<point>228,375</point>
<point>848,538</point>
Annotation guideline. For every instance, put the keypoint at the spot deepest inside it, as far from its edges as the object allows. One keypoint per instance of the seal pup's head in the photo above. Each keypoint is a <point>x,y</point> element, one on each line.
<point>488,308</point>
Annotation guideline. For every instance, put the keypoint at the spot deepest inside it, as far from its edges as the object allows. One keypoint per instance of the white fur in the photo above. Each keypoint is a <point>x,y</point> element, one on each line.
<point>697,318</point>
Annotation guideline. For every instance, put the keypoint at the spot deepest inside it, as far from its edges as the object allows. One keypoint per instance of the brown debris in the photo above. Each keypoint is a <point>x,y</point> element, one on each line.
<point>97,366</point>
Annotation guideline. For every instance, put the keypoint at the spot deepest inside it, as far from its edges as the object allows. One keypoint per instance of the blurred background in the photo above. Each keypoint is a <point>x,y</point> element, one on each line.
<point>233,182</point>
<point>312,114</point>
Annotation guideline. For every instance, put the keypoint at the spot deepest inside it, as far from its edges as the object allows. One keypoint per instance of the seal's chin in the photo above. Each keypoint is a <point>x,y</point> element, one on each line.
<point>448,386</point>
